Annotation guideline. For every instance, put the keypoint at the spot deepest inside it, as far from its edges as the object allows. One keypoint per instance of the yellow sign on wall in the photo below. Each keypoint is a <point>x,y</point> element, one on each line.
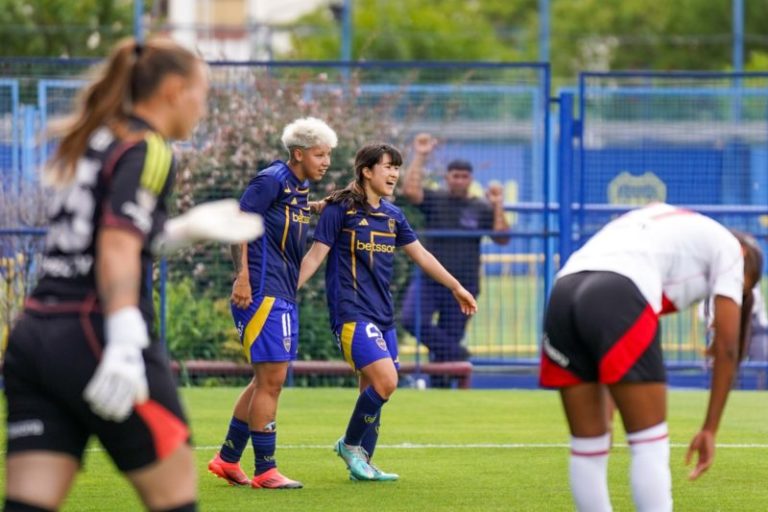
<point>628,189</point>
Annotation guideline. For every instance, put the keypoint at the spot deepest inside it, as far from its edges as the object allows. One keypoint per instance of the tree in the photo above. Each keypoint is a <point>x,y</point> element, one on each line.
<point>585,34</point>
<point>63,28</point>
<point>404,30</point>
<point>628,34</point>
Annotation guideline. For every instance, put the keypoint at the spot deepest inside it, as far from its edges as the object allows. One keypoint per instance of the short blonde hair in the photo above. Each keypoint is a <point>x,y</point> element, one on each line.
<point>308,132</point>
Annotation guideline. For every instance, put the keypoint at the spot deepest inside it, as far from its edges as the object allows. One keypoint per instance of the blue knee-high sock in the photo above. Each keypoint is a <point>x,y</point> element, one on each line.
<point>236,440</point>
<point>371,436</point>
<point>364,416</point>
<point>264,450</point>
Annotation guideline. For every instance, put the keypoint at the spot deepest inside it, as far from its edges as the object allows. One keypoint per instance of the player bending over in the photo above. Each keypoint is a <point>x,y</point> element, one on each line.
<point>602,331</point>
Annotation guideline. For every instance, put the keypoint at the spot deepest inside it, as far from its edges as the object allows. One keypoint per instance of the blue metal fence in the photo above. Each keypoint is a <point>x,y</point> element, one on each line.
<point>622,139</point>
<point>698,140</point>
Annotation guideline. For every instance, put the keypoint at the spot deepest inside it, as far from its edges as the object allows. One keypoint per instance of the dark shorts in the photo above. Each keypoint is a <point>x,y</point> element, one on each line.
<point>599,328</point>
<point>269,330</point>
<point>362,343</point>
<point>49,361</point>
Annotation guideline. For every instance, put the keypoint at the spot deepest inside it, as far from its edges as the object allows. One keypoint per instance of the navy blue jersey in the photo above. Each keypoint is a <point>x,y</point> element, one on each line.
<point>274,259</point>
<point>361,261</point>
<point>118,183</point>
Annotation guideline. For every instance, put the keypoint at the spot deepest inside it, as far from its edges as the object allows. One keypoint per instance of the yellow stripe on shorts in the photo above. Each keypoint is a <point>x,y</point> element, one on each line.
<point>256,324</point>
<point>347,334</point>
<point>157,164</point>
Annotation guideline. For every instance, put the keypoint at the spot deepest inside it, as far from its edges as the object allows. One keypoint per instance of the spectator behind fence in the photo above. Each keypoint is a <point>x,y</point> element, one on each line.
<point>449,209</point>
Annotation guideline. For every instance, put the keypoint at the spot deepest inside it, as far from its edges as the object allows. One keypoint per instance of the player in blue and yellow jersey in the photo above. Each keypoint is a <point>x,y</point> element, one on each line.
<point>359,231</point>
<point>264,298</point>
<point>81,360</point>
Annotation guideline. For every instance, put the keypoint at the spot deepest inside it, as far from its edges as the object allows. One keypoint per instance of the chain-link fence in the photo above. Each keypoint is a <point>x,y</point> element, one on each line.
<point>693,139</point>
<point>494,116</point>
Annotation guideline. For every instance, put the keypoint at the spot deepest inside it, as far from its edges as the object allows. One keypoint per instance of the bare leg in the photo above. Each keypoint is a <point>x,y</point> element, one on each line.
<point>168,483</point>
<point>40,478</point>
<point>382,376</point>
<point>585,409</point>
<point>243,402</point>
<point>641,404</point>
<point>269,379</point>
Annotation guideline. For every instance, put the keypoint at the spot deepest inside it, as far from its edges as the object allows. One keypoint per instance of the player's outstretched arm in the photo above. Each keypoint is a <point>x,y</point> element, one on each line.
<point>312,261</point>
<point>725,349</point>
<point>214,221</point>
<point>434,269</point>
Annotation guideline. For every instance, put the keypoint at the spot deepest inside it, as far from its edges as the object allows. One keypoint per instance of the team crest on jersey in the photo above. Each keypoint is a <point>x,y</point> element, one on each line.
<point>391,224</point>
<point>381,343</point>
<point>287,344</point>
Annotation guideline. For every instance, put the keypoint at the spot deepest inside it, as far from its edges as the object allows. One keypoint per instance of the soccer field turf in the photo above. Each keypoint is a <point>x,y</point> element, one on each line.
<point>454,451</point>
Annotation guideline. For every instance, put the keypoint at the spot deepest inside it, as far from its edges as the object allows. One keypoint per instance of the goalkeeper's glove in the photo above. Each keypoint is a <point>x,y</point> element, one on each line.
<point>215,221</point>
<point>120,380</point>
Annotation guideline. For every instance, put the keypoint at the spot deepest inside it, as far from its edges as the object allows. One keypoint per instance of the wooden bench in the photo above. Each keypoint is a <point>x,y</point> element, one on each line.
<point>462,370</point>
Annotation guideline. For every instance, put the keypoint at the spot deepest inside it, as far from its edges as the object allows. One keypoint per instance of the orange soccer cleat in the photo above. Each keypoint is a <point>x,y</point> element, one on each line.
<point>229,471</point>
<point>272,479</point>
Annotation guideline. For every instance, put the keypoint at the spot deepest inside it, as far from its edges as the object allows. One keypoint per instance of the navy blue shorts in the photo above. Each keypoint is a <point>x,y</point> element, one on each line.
<point>363,343</point>
<point>269,330</point>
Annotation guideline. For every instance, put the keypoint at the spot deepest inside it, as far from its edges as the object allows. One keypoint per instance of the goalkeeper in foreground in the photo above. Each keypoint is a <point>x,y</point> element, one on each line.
<point>601,331</point>
<point>80,361</point>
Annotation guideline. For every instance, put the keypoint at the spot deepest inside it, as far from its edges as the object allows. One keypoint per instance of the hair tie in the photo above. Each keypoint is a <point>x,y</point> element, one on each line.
<point>138,48</point>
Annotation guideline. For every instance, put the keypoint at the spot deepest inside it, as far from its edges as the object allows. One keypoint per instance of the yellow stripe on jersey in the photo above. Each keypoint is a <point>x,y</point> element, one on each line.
<point>285,229</point>
<point>347,334</point>
<point>157,163</point>
<point>256,324</point>
<point>352,255</point>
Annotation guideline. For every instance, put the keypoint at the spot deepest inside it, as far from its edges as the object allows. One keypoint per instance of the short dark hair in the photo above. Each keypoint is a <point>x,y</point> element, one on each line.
<point>459,165</point>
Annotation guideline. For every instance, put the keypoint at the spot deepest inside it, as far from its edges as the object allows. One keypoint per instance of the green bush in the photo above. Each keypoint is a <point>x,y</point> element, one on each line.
<point>199,325</point>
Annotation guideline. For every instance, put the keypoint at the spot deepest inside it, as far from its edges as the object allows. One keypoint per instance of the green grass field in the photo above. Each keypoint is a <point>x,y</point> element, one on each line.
<point>454,450</point>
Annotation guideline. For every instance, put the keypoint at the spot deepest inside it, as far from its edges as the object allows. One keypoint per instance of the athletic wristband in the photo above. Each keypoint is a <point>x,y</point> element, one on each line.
<point>127,326</point>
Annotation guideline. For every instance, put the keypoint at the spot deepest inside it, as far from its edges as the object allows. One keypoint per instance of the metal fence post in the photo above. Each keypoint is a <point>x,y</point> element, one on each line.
<point>565,176</point>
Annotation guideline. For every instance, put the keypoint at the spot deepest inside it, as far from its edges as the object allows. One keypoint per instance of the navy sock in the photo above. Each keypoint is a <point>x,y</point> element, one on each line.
<point>264,450</point>
<point>237,439</point>
<point>364,415</point>
<point>371,436</point>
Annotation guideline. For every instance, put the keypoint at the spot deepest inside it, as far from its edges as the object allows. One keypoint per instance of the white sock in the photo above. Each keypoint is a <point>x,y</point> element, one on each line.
<point>589,473</point>
<point>650,475</point>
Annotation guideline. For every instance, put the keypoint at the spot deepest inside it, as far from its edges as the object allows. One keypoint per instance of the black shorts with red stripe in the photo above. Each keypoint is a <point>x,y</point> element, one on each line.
<point>49,361</point>
<point>599,328</point>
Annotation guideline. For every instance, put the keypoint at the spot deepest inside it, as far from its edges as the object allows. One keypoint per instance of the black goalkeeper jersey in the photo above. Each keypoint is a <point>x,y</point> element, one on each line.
<point>118,183</point>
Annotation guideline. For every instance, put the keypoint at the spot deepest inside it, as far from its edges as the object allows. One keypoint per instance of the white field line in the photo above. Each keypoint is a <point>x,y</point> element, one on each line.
<point>492,446</point>
<point>471,446</point>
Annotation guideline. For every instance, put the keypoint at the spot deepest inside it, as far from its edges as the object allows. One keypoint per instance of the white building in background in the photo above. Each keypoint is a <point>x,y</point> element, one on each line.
<point>236,29</point>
